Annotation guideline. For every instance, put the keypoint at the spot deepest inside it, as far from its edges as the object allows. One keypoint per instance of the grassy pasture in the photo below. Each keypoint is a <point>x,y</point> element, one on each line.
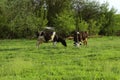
<point>21,60</point>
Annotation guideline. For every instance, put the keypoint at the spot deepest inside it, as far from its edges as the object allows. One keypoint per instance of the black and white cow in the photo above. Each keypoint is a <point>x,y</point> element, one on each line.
<point>49,34</point>
<point>80,37</point>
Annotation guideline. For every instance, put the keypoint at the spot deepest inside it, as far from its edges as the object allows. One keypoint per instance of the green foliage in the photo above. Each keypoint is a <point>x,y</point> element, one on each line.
<point>56,7</point>
<point>22,18</point>
<point>102,17</point>
<point>93,27</point>
<point>117,25</point>
<point>24,22</point>
<point>109,22</point>
<point>65,23</point>
<point>4,29</point>
<point>90,10</point>
<point>83,25</point>
<point>21,60</point>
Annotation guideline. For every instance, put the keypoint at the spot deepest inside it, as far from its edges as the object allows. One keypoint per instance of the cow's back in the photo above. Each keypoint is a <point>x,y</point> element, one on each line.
<point>84,35</point>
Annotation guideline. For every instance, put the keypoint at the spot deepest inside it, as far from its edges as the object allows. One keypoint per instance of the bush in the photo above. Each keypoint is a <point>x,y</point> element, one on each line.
<point>64,23</point>
<point>93,27</point>
<point>83,26</point>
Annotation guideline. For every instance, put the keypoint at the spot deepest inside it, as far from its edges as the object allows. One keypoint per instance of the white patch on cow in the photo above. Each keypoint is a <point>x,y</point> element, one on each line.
<point>54,43</point>
<point>49,28</point>
<point>80,43</point>
<point>78,33</point>
<point>77,44</point>
<point>53,35</point>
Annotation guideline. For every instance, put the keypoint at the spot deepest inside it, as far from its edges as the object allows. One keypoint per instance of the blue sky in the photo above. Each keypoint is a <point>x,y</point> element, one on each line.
<point>113,3</point>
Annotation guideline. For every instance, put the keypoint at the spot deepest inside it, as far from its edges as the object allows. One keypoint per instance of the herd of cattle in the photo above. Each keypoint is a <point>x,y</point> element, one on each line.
<point>49,34</point>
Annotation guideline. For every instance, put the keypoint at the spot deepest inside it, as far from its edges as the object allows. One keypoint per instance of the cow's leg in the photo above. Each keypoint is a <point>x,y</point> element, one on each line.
<point>54,43</point>
<point>77,44</point>
<point>85,42</point>
<point>39,41</point>
<point>37,44</point>
<point>63,42</point>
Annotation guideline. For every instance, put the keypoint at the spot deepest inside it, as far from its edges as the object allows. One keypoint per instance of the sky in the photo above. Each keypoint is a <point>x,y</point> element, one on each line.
<point>112,3</point>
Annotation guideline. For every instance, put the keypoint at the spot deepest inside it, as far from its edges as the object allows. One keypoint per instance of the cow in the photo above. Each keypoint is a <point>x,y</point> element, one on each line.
<point>49,34</point>
<point>80,37</point>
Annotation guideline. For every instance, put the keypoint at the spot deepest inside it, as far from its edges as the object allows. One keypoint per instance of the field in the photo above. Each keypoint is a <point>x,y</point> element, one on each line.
<point>21,60</point>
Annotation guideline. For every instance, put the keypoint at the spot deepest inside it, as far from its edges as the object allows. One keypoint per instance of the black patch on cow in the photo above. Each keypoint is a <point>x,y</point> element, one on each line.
<point>80,37</point>
<point>46,34</point>
<point>60,39</point>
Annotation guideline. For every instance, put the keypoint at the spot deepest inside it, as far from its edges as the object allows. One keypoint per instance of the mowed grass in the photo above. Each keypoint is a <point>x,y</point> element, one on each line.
<point>21,60</point>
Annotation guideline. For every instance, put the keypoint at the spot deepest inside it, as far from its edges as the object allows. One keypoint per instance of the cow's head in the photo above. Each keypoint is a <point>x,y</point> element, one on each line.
<point>63,42</point>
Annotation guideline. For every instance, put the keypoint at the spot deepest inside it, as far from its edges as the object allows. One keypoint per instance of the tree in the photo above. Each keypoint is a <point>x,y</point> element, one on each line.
<point>117,25</point>
<point>107,20</point>
<point>4,29</point>
<point>24,18</point>
<point>98,13</point>
<point>64,23</point>
<point>55,7</point>
<point>83,25</point>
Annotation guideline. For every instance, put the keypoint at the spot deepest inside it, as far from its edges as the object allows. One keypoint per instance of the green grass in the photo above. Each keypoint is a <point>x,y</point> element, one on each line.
<point>21,60</point>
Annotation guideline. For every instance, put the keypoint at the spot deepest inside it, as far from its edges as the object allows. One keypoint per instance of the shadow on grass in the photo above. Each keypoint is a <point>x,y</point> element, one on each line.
<point>11,49</point>
<point>92,56</point>
<point>114,58</point>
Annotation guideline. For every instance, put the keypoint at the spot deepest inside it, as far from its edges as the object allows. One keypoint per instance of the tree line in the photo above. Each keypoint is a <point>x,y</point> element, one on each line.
<point>22,18</point>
